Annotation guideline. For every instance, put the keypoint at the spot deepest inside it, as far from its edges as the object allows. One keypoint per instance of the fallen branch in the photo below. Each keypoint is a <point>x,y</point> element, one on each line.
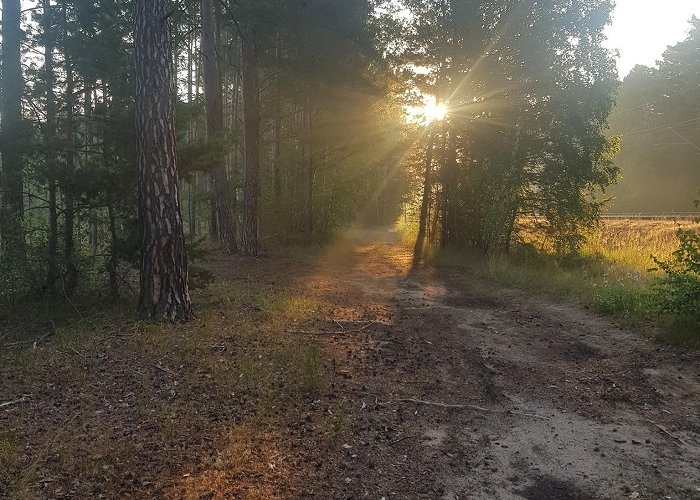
<point>45,336</point>
<point>33,343</point>
<point>77,352</point>
<point>462,407</point>
<point>670,434</point>
<point>19,342</point>
<point>340,332</point>
<point>396,441</point>
<point>164,369</point>
<point>16,401</point>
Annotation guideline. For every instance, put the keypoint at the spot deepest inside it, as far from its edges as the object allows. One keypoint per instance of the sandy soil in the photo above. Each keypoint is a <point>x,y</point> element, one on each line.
<point>555,402</point>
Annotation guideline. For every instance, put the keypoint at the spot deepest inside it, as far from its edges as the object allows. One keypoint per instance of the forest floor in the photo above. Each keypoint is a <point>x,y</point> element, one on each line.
<point>337,374</point>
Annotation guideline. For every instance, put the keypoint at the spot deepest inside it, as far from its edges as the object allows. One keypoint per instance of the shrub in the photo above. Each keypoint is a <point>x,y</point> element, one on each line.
<point>678,292</point>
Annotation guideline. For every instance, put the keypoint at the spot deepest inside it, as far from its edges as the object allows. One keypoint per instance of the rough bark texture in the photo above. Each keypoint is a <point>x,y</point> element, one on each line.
<point>50,149</point>
<point>251,133</point>
<point>277,129</point>
<point>449,189</point>
<point>112,262</point>
<point>11,123</point>
<point>215,124</point>
<point>70,275</point>
<point>308,175</point>
<point>423,219</point>
<point>164,290</point>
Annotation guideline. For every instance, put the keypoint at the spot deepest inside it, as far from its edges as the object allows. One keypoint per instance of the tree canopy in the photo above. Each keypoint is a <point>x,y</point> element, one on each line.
<point>658,117</point>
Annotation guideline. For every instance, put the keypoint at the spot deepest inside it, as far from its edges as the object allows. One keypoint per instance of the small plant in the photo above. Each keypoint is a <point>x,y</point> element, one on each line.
<point>311,374</point>
<point>618,297</point>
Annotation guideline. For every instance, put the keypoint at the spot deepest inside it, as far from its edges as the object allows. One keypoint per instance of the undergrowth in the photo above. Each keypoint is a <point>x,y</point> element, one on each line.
<point>612,275</point>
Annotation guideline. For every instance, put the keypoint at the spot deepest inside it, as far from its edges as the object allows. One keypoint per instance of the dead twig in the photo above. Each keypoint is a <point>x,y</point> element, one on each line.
<point>339,332</point>
<point>164,369</point>
<point>41,339</point>
<point>77,352</point>
<point>396,441</point>
<point>668,433</point>
<point>36,342</point>
<point>462,407</point>
<point>18,343</point>
<point>14,402</point>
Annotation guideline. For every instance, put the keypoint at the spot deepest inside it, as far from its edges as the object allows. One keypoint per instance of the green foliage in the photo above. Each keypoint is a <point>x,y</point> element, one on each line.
<point>620,298</point>
<point>525,127</point>
<point>657,116</point>
<point>679,292</point>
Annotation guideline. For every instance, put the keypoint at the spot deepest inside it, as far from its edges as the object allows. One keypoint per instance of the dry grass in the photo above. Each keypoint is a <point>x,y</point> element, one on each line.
<point>613,274</point>
<point>148,410</point>
<point>630,243</point>
<point>634,243</point>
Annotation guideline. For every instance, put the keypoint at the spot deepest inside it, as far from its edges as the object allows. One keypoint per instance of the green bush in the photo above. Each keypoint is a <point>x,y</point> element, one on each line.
<point>620,298</point>
<point>678,292</point>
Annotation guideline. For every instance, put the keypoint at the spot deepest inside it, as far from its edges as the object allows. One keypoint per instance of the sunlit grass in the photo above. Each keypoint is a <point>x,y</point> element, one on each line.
<point>635,243</point>
<point>613,274</point>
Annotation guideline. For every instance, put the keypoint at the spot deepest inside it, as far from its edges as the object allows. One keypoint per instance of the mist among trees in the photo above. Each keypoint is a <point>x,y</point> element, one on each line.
<point>277,123</point>
<point>658,117</point>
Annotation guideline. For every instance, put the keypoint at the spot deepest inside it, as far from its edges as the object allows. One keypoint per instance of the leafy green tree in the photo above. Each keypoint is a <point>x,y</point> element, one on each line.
<point>527,96</point>
<point>657,115</point>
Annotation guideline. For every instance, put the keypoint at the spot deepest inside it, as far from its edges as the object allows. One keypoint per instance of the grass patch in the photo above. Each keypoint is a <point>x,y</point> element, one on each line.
<point>611,275</point>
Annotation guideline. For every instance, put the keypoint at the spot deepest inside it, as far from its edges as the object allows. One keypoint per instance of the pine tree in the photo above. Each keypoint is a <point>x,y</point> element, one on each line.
<point>164,287</point>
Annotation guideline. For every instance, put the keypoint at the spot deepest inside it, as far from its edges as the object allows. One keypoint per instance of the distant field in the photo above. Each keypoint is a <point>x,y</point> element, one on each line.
<point>633,241</point>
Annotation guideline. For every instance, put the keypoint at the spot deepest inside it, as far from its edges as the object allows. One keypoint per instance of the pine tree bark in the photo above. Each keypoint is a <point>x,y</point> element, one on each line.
<point>277,128</point>
<point>11,128</point>
<point>449,189</point>
<point>215,125</point>
<point>425,203</point>
<point>164,288</point>
<point>50,148</point>
<point>251,137</point>
<point>308,175</point>
<point>70,276</point>
<point>112,262</point>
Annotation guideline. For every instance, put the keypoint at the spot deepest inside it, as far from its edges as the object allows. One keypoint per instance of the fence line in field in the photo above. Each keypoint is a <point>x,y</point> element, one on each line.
<point>662,216</point>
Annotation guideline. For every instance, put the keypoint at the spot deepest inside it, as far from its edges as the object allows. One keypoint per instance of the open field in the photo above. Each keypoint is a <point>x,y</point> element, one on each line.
<point>633,241</point>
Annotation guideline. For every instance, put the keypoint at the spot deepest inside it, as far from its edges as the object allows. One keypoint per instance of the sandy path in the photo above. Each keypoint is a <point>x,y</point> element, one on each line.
<point>571,405</point>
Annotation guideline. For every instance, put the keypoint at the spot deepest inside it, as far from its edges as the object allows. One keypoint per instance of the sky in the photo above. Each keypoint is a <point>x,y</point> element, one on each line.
<point>642,29</point>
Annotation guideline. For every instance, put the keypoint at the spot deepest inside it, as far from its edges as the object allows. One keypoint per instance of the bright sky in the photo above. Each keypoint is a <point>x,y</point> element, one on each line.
<point>642,29</point>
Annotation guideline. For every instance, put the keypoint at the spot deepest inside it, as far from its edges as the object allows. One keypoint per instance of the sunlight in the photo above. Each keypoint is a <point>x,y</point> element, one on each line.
<point>429,112</point>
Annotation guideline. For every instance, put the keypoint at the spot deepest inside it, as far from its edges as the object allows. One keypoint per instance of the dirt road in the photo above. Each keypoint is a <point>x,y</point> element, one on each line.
<point>463,390</point>
<point>334,374</point>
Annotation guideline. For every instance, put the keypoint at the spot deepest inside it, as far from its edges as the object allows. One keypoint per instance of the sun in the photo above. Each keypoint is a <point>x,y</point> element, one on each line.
<point>431,111</point>
<point>434,112</point>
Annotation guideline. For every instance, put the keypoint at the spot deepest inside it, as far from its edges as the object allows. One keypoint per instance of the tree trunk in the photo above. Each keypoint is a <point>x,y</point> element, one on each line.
<point>449,189</point>
<point>308,175</point>
<point>50,146</point>
<point>504,208</point>
<point>112,262</point>
<point>88,141</point>
<point>164,289</point>
<point>70,277</point>
<point>251,133</point>
<point>11,123</point>
<point>215,125</point>
<point>277,128</point>
<point>425,202</point>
